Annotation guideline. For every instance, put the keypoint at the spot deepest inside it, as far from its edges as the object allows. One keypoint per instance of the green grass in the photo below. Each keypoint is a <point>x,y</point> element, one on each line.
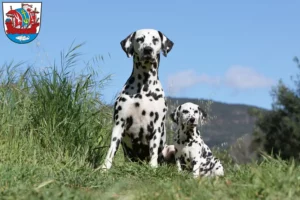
<point>54,132</point>
<point>272,179</point>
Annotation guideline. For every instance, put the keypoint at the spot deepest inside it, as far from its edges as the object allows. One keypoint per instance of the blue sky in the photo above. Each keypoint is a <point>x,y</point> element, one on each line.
<point>231,51</point>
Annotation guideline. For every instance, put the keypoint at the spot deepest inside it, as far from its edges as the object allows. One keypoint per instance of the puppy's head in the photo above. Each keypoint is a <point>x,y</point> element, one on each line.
<point>189,115</point>
<point>146,44</point>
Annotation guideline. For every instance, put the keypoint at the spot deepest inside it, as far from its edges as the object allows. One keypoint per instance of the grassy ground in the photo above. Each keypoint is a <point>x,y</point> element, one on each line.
<point>28,179</point>
<point>54,131</point>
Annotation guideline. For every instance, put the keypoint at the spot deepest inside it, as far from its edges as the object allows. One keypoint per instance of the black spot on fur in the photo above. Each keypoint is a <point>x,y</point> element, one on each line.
<point>122,99</point>
<point>138,96</point>
<point>150,128</point>
<point>131,80</point>
<point>194,162</point>
<point>154,95</point>
<point>141,133</point>
<point>156,117</point>
<point>146,87</point>
<point>114,139</point>
<point>119,108</point>
<point>151,114</point>
<point>153,72</point>
<point>144,112</point>
<point>139,76</point>
<point>129,122</point>
<point>139,87</point>
<point>137,104</point>
<point>146,77</point>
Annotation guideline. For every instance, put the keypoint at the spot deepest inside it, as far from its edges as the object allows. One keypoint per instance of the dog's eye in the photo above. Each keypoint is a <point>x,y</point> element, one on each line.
<point>155,40</point>
<point>140,39</point>
<point>185,111</point>
<point>196,111</point>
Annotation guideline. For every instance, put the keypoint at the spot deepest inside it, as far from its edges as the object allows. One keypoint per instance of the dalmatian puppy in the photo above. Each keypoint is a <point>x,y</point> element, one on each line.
<point>191,152</point>
<point>140,109</point>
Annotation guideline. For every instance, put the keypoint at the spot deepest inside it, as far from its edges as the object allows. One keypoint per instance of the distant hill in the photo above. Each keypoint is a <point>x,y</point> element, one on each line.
<point>230,121</point>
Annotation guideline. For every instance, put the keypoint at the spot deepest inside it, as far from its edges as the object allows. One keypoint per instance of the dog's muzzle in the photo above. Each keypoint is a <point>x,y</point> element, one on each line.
<point>192,122</point>
<point>148,54</point>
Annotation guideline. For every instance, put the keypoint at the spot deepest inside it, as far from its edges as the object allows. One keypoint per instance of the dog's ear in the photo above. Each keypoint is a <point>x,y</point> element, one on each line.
<point>203,116</point>
<point>127,45</point>
<point>166,44</point>
<point>175,114</point>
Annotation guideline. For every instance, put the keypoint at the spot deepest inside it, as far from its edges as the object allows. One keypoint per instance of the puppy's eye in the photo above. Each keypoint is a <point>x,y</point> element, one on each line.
<point>140,39</point>
<point>196,111</point>
<point>185,111</point>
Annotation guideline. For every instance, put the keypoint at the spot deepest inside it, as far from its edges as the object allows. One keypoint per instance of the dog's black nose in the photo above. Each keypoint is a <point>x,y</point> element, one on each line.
<point>148,50</point>
<point>192,120</point>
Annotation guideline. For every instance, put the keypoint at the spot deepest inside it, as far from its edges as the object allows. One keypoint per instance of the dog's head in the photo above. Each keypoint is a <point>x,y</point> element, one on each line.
<point>146,44</point>
<point>189,115</point>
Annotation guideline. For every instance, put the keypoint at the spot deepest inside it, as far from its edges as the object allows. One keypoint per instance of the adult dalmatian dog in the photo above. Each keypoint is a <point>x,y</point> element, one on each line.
<point>191,152</point>
<point>140,109</point>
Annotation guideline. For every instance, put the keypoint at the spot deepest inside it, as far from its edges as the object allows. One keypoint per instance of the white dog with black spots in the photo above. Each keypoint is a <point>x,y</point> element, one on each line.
<point>140,109</point>
<point>191,152</point>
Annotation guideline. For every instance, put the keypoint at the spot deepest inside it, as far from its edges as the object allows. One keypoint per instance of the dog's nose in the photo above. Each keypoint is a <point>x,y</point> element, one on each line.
<point>192,120</point>
<point>148,50</point>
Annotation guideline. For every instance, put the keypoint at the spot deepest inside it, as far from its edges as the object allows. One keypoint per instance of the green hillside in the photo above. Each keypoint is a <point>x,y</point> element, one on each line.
<point>227,122</point>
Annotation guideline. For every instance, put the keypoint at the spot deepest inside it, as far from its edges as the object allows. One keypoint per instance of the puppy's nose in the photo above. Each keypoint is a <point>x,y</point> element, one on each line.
<point>192,120</point>
<point>148,50</point>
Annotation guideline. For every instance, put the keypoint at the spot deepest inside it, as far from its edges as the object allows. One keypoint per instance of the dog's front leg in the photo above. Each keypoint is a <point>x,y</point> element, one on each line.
<point>178,163</point>
<point>155,138</point>
<point>114,145</point>
<point>196,168</point>
<point>154,146</point>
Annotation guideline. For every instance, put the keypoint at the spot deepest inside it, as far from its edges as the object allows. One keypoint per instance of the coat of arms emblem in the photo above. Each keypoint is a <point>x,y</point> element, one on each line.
<point>22,21</point>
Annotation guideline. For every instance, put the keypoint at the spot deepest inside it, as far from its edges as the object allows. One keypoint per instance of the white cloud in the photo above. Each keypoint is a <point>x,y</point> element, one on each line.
<point>239,77</point>
<point>185,79</point>
<point>236,77</point>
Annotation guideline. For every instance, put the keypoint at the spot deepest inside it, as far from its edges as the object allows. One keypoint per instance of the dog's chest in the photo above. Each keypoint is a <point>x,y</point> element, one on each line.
<point>142,107</point>
<point>189,149</point>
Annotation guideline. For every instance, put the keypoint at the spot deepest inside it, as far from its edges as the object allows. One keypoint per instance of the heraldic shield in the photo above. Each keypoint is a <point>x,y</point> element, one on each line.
<point>22,21</point>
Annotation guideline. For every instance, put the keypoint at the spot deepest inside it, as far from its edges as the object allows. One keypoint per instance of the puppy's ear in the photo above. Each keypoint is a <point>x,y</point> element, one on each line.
<point>127,45</point>
<point>175,114</point>
<point>203,116</point>
<point>166,44</point>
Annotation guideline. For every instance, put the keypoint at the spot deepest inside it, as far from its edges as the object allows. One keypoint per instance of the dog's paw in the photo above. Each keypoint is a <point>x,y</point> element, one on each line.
<point>154,165</point>
<point>103,168</point>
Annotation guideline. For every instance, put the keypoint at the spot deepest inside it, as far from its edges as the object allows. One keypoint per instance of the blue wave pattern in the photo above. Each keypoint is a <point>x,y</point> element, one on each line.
<point>13,37</point>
